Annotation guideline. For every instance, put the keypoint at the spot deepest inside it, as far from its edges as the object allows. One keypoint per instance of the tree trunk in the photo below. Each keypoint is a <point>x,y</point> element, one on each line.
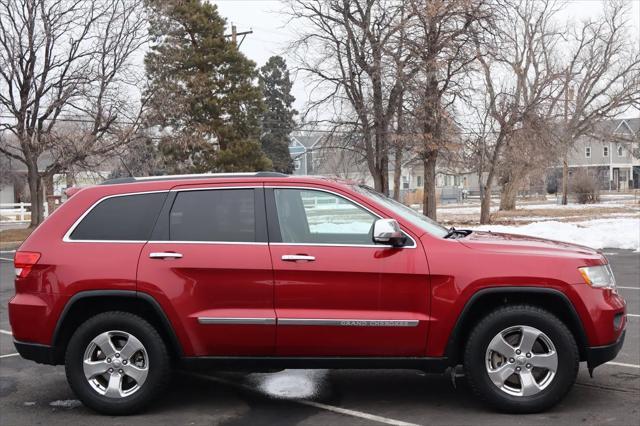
<point>565,180</point>
<point>510,192</point>
<point>508,196</point>
<point>397,173</point>
<point>429,198</point>
<point>384,173</point>
<point>37,198</point>
<point>378,182</point>
<point>485,204</point>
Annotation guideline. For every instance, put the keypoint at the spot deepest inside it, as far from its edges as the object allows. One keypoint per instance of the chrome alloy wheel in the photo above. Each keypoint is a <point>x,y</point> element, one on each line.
<point>116,364</point>
<point>521,360</point>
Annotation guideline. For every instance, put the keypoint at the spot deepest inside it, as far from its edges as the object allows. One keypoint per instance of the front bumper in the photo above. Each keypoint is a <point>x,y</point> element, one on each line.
<point>42,354</point>
<point>598,355</point>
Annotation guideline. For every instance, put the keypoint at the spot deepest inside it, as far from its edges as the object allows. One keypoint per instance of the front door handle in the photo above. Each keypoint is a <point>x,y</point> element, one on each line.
<point>165,255</point>
<point>296,257</point>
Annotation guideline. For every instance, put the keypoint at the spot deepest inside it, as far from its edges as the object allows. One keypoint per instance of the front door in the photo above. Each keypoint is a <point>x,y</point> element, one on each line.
<point>208,265</point>
<point>337,293</point>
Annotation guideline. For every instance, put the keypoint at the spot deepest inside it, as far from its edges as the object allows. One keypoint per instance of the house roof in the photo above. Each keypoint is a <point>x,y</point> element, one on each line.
<point>629,126</point>
<point>308,140</point>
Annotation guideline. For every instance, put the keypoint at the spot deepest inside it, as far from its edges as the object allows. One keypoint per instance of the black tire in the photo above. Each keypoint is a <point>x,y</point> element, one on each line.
<point>159,365</point>
<point>475,363</point>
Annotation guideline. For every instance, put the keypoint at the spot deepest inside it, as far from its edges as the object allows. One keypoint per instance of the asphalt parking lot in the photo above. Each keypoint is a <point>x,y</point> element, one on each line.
<point>33,394</point>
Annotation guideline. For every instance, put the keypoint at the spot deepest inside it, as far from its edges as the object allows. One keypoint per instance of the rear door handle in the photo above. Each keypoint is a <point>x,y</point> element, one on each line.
<point>165,255</point>
<point>296,257</point>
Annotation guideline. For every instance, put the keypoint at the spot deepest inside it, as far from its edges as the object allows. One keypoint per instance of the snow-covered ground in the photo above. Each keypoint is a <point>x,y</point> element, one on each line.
<point>623,233</point>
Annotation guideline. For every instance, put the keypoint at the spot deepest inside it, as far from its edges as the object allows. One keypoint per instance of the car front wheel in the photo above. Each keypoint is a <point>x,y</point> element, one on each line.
<point>521,359</point>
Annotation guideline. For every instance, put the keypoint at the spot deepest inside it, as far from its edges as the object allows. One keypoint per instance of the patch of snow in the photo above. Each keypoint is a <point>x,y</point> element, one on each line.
<point>29,404</point>
<point>291,384</point>
<point>621,233</point>
<point>66,403</point>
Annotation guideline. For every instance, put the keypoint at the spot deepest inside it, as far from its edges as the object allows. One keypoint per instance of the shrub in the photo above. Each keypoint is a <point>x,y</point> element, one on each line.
<point>584,187</point>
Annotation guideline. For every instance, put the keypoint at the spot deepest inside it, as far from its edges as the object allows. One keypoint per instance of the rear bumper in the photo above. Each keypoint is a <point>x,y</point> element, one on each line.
<point>42,354</point>
<point>598,355</point>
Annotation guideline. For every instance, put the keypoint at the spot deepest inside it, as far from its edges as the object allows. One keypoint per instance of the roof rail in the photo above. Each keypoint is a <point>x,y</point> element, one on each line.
<point>190,176</point>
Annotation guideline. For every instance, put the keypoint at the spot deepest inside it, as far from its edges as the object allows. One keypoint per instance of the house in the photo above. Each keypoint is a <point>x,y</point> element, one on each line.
<point>13,178</point>
<point>301,149</point>
<point>611,154</point>
<point>320,153</point>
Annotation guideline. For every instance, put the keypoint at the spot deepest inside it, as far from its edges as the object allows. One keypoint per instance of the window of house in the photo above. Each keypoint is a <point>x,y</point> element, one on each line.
<point>121,218</point>
<point>620,151</point>
<point>587,152</point>
<point>297,163</point>
<point>318,217</point>
<point>419,181</point>
<point>605,151</point>
<point>405,182</point>
<point>213,215</point>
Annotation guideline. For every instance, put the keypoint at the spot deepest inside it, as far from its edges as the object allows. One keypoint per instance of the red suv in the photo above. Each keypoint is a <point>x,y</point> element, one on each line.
<point>263,271</point>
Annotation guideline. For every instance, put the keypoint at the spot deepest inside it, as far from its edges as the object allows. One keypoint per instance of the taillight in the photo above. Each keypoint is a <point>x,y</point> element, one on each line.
<point>24,262</point>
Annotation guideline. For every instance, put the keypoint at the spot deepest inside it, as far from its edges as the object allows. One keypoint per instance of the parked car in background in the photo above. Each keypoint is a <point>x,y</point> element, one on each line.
<point>130,279</point>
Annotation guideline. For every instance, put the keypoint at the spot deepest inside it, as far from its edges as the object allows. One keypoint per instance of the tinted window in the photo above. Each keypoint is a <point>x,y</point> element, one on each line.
<point>123,218</point>
<point>307,216</point>
<point>213,215</point>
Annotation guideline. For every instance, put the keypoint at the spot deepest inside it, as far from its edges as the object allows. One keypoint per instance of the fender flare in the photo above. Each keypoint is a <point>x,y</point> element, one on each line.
<point>452,352</point>
<point>132,294</point>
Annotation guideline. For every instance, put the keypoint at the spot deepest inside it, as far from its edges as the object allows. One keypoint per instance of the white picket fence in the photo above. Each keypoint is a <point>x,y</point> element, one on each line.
<point>18,212</point>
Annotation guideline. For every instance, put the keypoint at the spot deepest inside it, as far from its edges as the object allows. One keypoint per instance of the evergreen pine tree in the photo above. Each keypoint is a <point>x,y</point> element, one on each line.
<point>277,120</point>
<point>202,91</point>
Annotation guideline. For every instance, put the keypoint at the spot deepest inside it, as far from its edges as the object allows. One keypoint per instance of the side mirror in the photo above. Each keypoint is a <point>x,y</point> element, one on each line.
<point>387,231</point>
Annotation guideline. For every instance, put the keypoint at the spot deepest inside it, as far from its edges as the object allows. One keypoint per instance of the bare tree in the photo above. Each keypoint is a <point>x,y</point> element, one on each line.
<point>601,78</point>
<point>440,40</point>
<point>520,77</point>
<point>531,148</point>
<point>346,49</point>
<point>67,61</point>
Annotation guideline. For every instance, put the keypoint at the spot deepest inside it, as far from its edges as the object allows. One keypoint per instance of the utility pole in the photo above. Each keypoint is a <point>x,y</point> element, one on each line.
<point>234,35</point>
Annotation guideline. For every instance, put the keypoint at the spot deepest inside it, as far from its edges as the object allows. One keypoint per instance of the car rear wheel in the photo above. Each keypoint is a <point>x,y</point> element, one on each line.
<point>521,359</point>
<point>116,363</point>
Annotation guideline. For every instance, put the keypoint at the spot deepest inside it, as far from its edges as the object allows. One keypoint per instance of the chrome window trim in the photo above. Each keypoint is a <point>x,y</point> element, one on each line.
<point>67,236</point>
<point>209,242</point>
<point>236,321</point>
<point>311,188</point>
<point>345,322</point>
<point>210,188</point>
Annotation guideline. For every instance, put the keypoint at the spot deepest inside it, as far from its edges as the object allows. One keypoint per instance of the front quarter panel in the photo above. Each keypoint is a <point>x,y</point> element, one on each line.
<point>458,272</point>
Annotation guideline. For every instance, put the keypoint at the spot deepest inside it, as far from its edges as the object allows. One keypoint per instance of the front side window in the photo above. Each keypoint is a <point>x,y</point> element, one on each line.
<point>420,220</point>
<point>605,151</point>
<point>121,218</point>
<point>587,152</point>
<point>318,217</point>
<point>220,215</point>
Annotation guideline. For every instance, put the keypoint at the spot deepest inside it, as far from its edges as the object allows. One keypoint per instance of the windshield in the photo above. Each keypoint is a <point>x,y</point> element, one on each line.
<point>418,219</point>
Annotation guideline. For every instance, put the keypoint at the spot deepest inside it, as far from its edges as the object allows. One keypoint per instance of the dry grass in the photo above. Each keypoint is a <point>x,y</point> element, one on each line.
<point>521,216</point>
<point>14,235</point>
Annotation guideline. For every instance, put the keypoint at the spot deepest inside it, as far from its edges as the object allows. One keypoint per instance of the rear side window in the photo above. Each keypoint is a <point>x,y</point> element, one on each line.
<point>121,218</point>
<point>226,215</point>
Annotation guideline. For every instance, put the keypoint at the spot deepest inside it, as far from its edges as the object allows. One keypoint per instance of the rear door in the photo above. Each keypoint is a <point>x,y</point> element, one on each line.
<point>337,293</point>
<point>208,265</point>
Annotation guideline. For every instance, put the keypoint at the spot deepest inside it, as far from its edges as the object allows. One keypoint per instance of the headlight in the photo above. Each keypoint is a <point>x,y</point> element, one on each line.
<point>598,276</point>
